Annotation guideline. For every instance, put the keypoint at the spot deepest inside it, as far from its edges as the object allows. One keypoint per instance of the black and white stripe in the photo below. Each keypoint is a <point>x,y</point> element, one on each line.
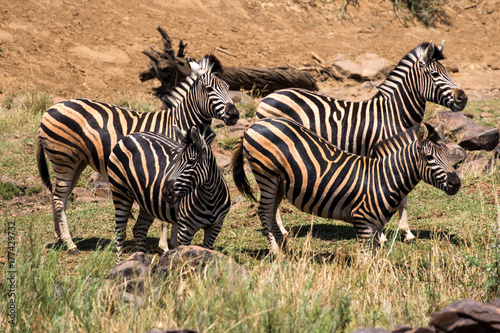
<point>179,183</point>
<point>289,160</point>
<point>81,132</point>
<point>357,126</point>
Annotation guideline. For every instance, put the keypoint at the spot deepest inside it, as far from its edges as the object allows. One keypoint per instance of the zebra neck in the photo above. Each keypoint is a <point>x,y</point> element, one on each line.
<point>397,174</point>
<point>401,92</point>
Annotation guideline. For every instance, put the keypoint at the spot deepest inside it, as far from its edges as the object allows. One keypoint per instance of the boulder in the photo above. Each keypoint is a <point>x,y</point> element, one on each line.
<point>373,67</point>
<point>467,133</point>
<point>480,138</point>
<point>347,67</point>
<point>456,153</point>
<point>467,315</point>
<point>137,265</point>
<point>190,258</point>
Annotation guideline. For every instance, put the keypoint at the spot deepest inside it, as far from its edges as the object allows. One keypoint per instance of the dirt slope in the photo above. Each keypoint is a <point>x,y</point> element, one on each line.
<point>93,48</point>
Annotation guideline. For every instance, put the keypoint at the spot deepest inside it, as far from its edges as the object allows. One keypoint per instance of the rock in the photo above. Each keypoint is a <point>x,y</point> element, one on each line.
<point>455,123</point>
<point>239,96</point>
<point>191,258</point>
<point>373,67</point>
<point>7,179</point>
<point>172,331</point>
<point>468,134</point>
<point>467,315</point>
<point>480,138</point>
<point>370,330</point>
<point>347,67</point>
<point>456,153</point>
<point>137,265</point>
<point>98,181</point>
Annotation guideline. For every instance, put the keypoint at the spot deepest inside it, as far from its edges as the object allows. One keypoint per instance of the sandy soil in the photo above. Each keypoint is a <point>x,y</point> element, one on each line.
<point>93,48</point>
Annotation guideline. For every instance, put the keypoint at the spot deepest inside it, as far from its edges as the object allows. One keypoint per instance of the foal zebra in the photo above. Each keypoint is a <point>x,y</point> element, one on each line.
<point>81,132</point>
<point>357,126</point>
<point>289,160</point>
<point>179,183</point>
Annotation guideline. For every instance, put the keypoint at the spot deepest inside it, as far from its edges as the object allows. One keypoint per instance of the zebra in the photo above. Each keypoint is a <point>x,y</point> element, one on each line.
<point>289,160</point>
<point>357,126</point>
<point>176,182</point>
<point>81,132</point>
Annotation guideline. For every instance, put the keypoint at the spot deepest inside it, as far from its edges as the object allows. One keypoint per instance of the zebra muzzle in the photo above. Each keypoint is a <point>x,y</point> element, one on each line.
<point>231,114</point>
<point>453,183</point>
<point>459,100</point>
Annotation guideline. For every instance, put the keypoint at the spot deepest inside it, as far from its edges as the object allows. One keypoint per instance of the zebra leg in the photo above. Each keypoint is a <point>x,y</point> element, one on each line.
<point>65,182</point>
<point>403,220</point>
<point>140,230</point>
<point>280,233</point>
<point>163,244</point>
<point>211,233</point>
<point>173,236</point>
<point>269,201</point>
<point>122,213</point>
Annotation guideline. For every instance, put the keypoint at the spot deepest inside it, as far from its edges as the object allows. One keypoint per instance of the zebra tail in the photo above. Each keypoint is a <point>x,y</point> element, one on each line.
<point>43,168</point>
<point>239,176</point>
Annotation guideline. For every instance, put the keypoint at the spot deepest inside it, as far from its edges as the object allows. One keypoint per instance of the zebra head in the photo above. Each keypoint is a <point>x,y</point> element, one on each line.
<point>214,95</point>
<point>437,86</point>
<point>192,167</point>
<point>434,164</point>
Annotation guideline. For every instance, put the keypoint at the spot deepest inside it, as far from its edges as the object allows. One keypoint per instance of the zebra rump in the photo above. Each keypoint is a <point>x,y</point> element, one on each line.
<point>179,183</point>
<point>289,160</point>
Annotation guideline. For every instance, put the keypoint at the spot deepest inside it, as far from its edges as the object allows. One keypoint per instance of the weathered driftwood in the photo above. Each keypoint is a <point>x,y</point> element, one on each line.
<point>170,67</point>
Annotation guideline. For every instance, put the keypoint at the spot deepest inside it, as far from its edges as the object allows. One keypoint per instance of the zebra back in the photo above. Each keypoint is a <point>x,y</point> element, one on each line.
<point>399,103</point>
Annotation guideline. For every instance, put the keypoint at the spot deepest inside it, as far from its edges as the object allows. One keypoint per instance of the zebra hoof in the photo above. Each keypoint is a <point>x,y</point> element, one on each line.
<point>74,252</point>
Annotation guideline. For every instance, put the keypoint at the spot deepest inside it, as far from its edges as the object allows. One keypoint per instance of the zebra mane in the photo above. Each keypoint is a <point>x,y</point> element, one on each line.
<point>437,55</point>
<point>407,61</point>
<point>208,65</point>
<point>405,138</point>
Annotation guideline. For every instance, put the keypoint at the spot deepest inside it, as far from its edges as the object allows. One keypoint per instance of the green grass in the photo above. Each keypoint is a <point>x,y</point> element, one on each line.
<point>321,283</point>
<point>429,12</point>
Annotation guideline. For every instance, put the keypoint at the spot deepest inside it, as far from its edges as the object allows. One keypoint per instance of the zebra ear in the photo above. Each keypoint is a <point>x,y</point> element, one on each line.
<point>423,133</point>
<point>440,48</point>
<point>181,135</point>
<point>440,129</point>
<point>428,53</point>
<point>208,135</point>
<point>195,136</point>
<point>195,67</point>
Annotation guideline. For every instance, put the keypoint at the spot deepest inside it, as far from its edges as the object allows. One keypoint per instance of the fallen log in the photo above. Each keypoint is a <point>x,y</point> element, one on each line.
<point>169,68</point>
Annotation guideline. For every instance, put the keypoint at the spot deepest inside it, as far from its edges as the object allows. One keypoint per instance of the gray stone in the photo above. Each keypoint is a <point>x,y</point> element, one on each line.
<point>467,315</point>
<point>456,153</point>
<point>347,67</point>
<point>480,138</point>
<point>7,179</point>
<point>370,330</point>
<point>186,259</point>
<point>373,67</point>
<point>137,265</point>
<point>467,133</point>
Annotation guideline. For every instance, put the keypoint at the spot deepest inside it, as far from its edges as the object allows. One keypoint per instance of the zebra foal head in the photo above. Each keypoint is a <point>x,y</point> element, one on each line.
<point>437,85</point>
<point>219,103</point>
<point>433,160</point>
<point>192,167</point>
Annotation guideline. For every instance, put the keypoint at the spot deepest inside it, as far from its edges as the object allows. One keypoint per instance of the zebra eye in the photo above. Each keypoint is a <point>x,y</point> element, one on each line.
<point>429,157</point>
<point>435,74</point>
<point>421,64</point>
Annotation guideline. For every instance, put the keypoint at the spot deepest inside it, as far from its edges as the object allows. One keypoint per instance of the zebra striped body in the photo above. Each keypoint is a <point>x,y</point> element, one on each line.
<point>81,132</point>
<point>357,126</point>
<point>179,183</point>
<point>288,160</point>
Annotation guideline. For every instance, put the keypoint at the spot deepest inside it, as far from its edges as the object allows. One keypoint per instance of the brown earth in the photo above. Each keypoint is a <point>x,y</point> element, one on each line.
<point>93,48</point>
